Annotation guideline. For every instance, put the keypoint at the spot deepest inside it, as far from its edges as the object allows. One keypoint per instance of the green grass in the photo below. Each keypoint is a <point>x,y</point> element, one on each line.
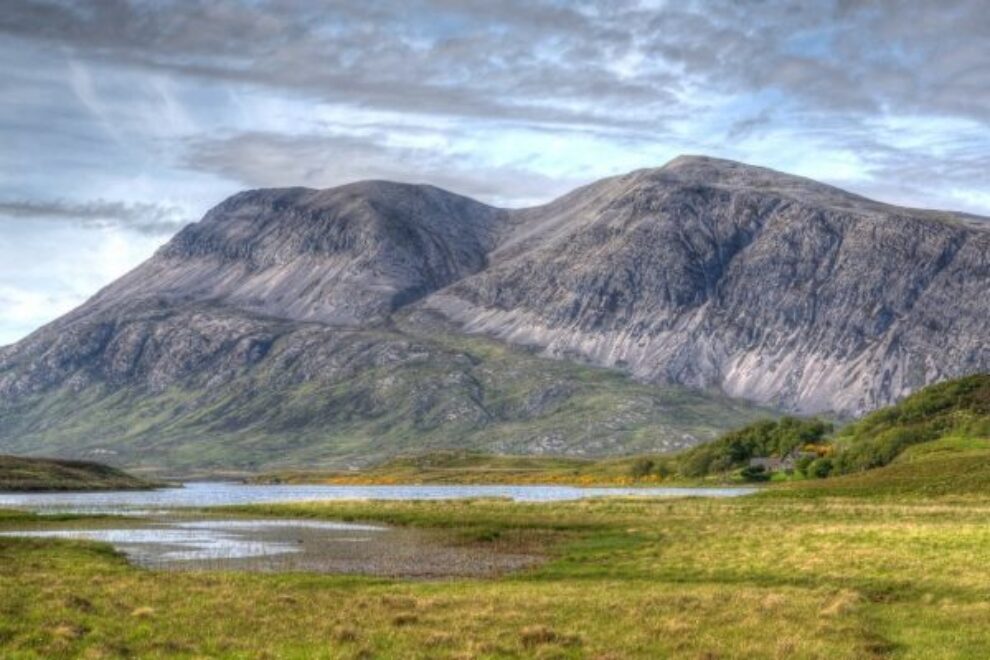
<point>882,564</point>
<point>40,474</point>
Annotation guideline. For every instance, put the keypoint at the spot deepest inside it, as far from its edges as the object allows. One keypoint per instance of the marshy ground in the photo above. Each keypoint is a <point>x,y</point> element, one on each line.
<point>776,575</point>
<point>193,542</point>
<point>890,563</point>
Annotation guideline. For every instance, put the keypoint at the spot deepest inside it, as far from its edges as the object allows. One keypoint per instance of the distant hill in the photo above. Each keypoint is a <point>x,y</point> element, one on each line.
<point>39,474</point>
<point>642,313</point>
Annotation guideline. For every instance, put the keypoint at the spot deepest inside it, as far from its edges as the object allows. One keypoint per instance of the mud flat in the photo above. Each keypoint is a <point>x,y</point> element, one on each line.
<point>183,543</point>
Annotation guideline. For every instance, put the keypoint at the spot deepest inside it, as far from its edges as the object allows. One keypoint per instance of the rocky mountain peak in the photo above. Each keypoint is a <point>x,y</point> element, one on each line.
<point>345,255</point>
<point>704,172</point>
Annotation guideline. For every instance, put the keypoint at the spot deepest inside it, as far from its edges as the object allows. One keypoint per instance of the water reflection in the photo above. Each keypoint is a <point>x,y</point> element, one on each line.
<point>179,544</point>
<point>208,540</point>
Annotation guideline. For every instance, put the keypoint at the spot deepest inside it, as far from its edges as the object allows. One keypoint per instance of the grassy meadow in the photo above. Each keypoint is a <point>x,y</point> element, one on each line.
<point>801,571</point>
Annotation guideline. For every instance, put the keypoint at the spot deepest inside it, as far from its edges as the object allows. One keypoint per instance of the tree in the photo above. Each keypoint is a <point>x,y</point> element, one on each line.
<point>762,438</point>
<point>820,468</point>
<point>754,473</point>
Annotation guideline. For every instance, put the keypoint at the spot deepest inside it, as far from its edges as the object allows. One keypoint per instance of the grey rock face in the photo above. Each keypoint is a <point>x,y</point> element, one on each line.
<point>344,314</point>
<point>773,288</point>
<point>347,256</point>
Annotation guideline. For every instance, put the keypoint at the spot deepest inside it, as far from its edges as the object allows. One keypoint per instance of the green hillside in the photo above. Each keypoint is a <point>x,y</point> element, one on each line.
<point>924,440</point>
<point>39,474</point>
<point>952,466</point>
<point>450,392</point>
<point>958,408</point>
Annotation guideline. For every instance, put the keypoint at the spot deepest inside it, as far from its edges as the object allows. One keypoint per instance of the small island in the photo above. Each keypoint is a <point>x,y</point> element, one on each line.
<point>48,474</point>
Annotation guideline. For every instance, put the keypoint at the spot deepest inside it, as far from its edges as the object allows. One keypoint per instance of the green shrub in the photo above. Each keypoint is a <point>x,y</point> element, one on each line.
<point>664,469</point>
<point>763,438</point>
<point>754,473</point>
<point>820,468</point>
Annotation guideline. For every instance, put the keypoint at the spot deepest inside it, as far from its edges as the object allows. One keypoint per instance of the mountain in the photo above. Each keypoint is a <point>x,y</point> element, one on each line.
<point>347,256</point>
<point>770,287</point>
<point>342,326</point>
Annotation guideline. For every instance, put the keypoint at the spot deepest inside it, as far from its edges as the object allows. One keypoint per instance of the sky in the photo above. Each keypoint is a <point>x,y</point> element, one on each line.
<point>123,120</point>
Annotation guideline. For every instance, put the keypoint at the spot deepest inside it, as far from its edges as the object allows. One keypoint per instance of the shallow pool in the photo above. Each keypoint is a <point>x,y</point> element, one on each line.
<point>187,542</point>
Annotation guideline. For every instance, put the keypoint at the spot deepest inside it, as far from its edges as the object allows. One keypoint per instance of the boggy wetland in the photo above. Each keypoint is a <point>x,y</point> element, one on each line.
<point>157,529</point>
<point>819,574</point>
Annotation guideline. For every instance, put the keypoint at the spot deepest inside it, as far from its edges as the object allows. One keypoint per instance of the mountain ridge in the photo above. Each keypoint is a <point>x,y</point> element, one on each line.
<point>705,247</point>
<point>724,278</point>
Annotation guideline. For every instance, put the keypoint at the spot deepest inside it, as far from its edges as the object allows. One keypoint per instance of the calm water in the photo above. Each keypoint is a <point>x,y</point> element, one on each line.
<point>185,541</point>
<point>159,542</point>
<point>161,533</point>
<point>204,494</point>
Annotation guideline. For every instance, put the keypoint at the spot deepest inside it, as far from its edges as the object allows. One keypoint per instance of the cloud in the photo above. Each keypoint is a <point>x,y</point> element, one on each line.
<point>528,62</point>
<point>50,267</point>
<point>697,76</point>
<point>25,309</point>
<point>609,64</point>
<point>140,115</point>
<point>262,159</point>
<point>144,218</point>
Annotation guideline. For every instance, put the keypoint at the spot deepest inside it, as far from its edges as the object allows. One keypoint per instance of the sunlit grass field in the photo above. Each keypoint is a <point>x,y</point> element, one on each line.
<point>803,571</point>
